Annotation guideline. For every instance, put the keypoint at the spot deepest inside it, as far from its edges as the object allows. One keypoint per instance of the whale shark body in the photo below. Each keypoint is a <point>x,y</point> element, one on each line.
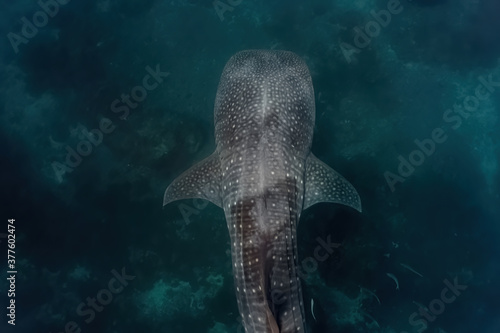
<point>264,175</point>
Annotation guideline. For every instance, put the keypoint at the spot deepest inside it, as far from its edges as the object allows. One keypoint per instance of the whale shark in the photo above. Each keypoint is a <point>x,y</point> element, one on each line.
<point>264,175</point>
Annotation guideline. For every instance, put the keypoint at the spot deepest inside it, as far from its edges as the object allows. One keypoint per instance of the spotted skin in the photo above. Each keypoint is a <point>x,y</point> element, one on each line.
<point>263,175</point>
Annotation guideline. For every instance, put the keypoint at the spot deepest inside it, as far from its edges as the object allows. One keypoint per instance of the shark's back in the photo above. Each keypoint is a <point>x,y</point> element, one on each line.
<point>264,119</point>
<point>263,175</point>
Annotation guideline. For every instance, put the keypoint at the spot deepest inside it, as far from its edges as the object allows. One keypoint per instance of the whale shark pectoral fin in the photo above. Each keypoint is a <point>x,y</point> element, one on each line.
<point>323,184</point>
<point>200,181</point>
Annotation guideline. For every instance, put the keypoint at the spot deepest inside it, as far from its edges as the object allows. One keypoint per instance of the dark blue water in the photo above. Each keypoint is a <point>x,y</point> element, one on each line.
<point>104,103</point>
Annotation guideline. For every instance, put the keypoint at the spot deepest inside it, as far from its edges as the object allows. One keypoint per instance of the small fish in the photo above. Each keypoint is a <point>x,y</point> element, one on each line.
<point>312,309</point>
<point>395,279</point>
<point>371,293</point>
<point>411,270</point>
<point>371,318</point>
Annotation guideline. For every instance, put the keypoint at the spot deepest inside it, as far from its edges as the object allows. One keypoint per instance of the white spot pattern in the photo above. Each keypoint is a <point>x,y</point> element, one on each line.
<point>263,175</point>
<point>264,119</point>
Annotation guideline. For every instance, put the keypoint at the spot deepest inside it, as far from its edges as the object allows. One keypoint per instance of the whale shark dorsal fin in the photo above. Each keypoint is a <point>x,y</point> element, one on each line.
<point>323,184</point>
<point>200,181</point>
